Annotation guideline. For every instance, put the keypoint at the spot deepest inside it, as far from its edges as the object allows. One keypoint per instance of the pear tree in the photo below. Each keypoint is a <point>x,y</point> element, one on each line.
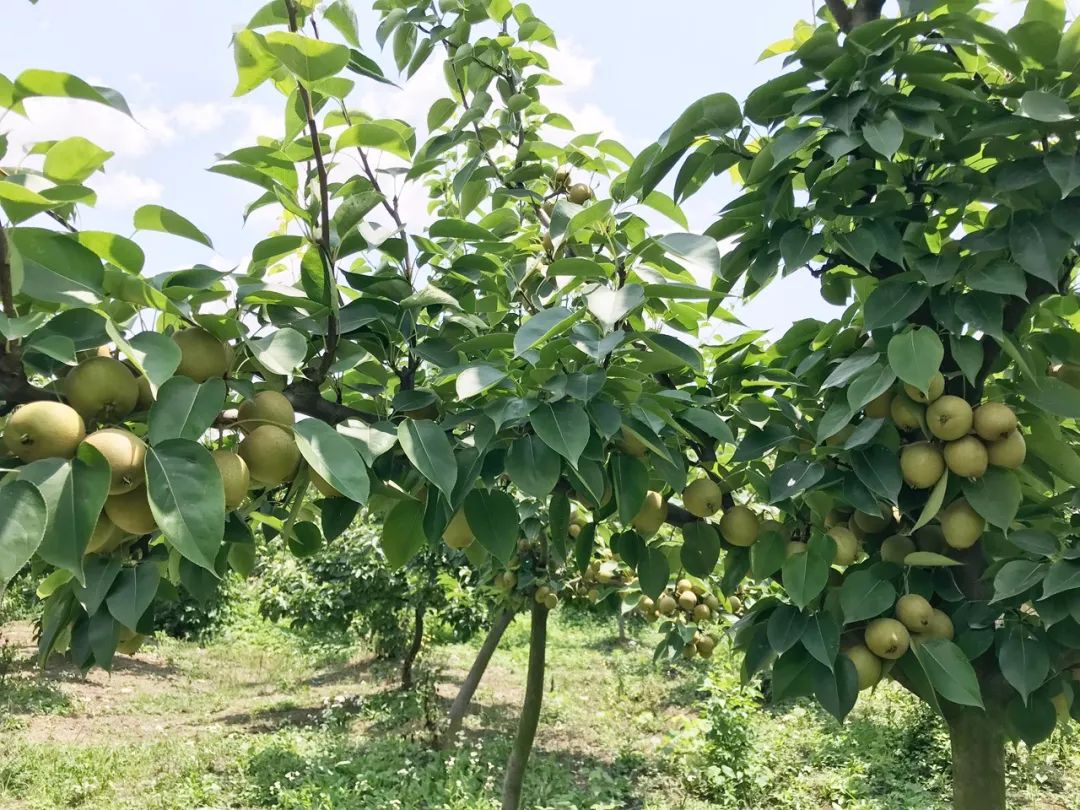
<point>922,448</point>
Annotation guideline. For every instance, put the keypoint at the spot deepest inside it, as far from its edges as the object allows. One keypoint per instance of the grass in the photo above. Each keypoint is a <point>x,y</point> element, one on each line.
<point>266,717</point>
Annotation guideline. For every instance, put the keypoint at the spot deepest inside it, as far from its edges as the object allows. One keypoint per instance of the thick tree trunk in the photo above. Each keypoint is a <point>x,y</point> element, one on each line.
<point>414,647</point>
<point>476,673</point>
<point>978,755</point>
<point>530,710</point>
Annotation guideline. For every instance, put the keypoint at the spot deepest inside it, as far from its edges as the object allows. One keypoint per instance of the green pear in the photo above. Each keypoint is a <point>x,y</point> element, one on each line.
<point>458,534</point>
<point>666,604</point>
<point>936,389</point>
<point>895,548</point>
<point>235,477</point>
<point>880,406</point>
<point>44,429</point>
<point>702,498</point>
<point>906,413</point>
<point>961,524</point>
<point>873,524</point>
<point>131,512</point>
<point>949,418</point>
<point>887,638</point>
<point>271,454</point>
<point>202,355</point>
<point>847,545</point>
<point>102,389</point>
<point>867,665</point>
<point>966,457</point>
<point>687,600</point>
<point>651,516</point>
<point>941,626</point>
<point>994,421</point>
<point>740,526</point>
<point>266,408</point>
<point>922,464</point>
<point>126,454</point>
<point>1009,452</point>
<point>914,612</point>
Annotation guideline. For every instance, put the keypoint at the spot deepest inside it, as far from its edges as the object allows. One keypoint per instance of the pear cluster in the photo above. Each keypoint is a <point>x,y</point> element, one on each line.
<point>888,638</point>
<point>563,186</point>
<point>688,603</point>
<point>106,405</point>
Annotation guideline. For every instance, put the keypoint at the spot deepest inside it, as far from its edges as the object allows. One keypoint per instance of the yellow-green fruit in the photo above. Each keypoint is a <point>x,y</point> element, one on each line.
<point>541,594</point>
<point>40,430</point>
<point>579,193</point>
<point>1061,706</point>
<point>794,547</point>
<point>961,525</point>
<point>574,530</point>
<point>125,453</point>
<point>937,388</point>
<point>739,526</point>
<point>130,511</point>
<point>689,651</point>
<point>836,517</point>
<point>202,355</point>
<point>735,603</point>
<point>867,665</point>
<point>702,613</point>
<point>994,421</point>
<point>941,626</point>
<point>646,604</point>
<point>146,394</point>
<point>1009,452</point>
<point>906,413</point>
<point>131,645</point>
<point>548,243</point>
<point>887,638</point>
<point>235,477</point>
<point>101,389</point>
<point>266,408</point>
<point>551,601</point>
<point>894,549</point>
<point>949,418</point>
<point>666,604</point>
<point>872,524</point>
<point>631,444</point>
<point>922,465</point>
<point>652,514</point>
<point>107,537</point>
<point>880,406</point>
<point>705,646</point>
<point>562,176</point>
<point>271,454</point>
<point>967,457</point>
<point>230,357</point>
<point>847,546</point>
<point>242,558</point>
<point>712,602</point>
<point>702,498</point>
<point>683,585</point>
<point>914,612</point>
<point>458,534</point>
<point>324,487</point>
<point>687,600</point>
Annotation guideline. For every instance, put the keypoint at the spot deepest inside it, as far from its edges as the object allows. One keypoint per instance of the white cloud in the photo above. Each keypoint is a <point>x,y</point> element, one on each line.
<point>124,190</point>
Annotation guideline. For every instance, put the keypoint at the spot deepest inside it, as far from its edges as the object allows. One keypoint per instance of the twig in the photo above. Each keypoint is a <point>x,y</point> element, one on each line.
<point>7,296</point>
<point>841,13</point>
<point>324,228</point>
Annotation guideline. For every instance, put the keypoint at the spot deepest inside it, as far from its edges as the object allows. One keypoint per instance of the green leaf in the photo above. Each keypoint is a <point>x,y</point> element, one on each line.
<point>700,549</point>
<point>794,478</point>
<point>542,327</point>
<point>281,352</point>
<point>564,427</point>
<point>1053,396</point>
<point>477,379</point>
<point>982,311</point>
<point>426,446</point>
<point>793,674</point>
<point>996,496</point>
<point>805,575</point>
<point>865,595</point>
<point>31,83</point>
<point>403,532</point>
<point>699,254</point>
<point>533,466</point>
<point>893,301</point>
<point>708,423</point>
<point>74,493</point>
<point>133,592</point>
<point>254,62</point>
<point>798,246</point>
<point>308,59</point>
<point>187,498</point>
<point>440,113</point>
<point>100,574</point>
<point>1024,661</point>
<point>884,136</point>
<point>1065,171</point>
<point>653,572</point>
<point>821,638</point>
<point>968,354</point>
<point>340,14</point>
<point>334,458</point>
<point>157,218</point>
<point>1063,576</point>
<point>22,528</point>
<point>73,160</point>
<point>879,470</point>
<point>494,520</point>
<point>948,671</point>
<point>1038,246</point>
<point>630,482</point>
<point>676,353</point>
<point>610,306</point>
<point>767,554</point>
<point>933,502</point>
<point>57,268</point>
<point>1017,577</point>
<point>155,354</point>
<point>786,626</point>
<point>184,409</point>
<point>117,250</point>
<point>1041,106</point>
<point>928,559</point>
<point>916,355</point>
<point>460,229</point>
<point>397,139</point>
<point>869,385</point>
<point>838,689</point>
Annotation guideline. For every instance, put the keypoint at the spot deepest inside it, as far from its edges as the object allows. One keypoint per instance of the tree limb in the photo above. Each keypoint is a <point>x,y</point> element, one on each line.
<point>7,298</point>
<point>841,13</point>
<point>306,398</point>
<point>866,11</point>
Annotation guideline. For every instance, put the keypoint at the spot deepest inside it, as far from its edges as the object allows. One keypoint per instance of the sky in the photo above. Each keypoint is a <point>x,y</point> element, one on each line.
<point>628,69</point>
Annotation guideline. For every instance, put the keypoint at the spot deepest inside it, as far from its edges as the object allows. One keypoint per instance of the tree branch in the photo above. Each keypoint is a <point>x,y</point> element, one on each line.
<point>325,253</point>
<point>306,398</point>
<point>7,298</point>
<point>841,13</point>
<point>866,11</point>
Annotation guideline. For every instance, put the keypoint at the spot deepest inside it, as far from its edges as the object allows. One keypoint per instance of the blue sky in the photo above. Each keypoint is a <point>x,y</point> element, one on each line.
<point>629,69</point>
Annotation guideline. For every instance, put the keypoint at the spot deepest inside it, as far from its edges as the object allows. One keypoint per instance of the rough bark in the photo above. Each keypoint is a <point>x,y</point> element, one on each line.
<point>530,711</point>
<point>414,647</point>
<point>978,756</point>
<point>469,686</point>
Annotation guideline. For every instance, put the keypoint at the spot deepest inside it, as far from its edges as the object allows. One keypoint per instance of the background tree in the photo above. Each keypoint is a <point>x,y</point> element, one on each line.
<point>923,447</point>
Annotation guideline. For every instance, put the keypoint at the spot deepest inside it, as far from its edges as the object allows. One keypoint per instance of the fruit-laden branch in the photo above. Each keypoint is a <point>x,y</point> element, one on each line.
<point>306,397</point>
<point>330,278</point>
